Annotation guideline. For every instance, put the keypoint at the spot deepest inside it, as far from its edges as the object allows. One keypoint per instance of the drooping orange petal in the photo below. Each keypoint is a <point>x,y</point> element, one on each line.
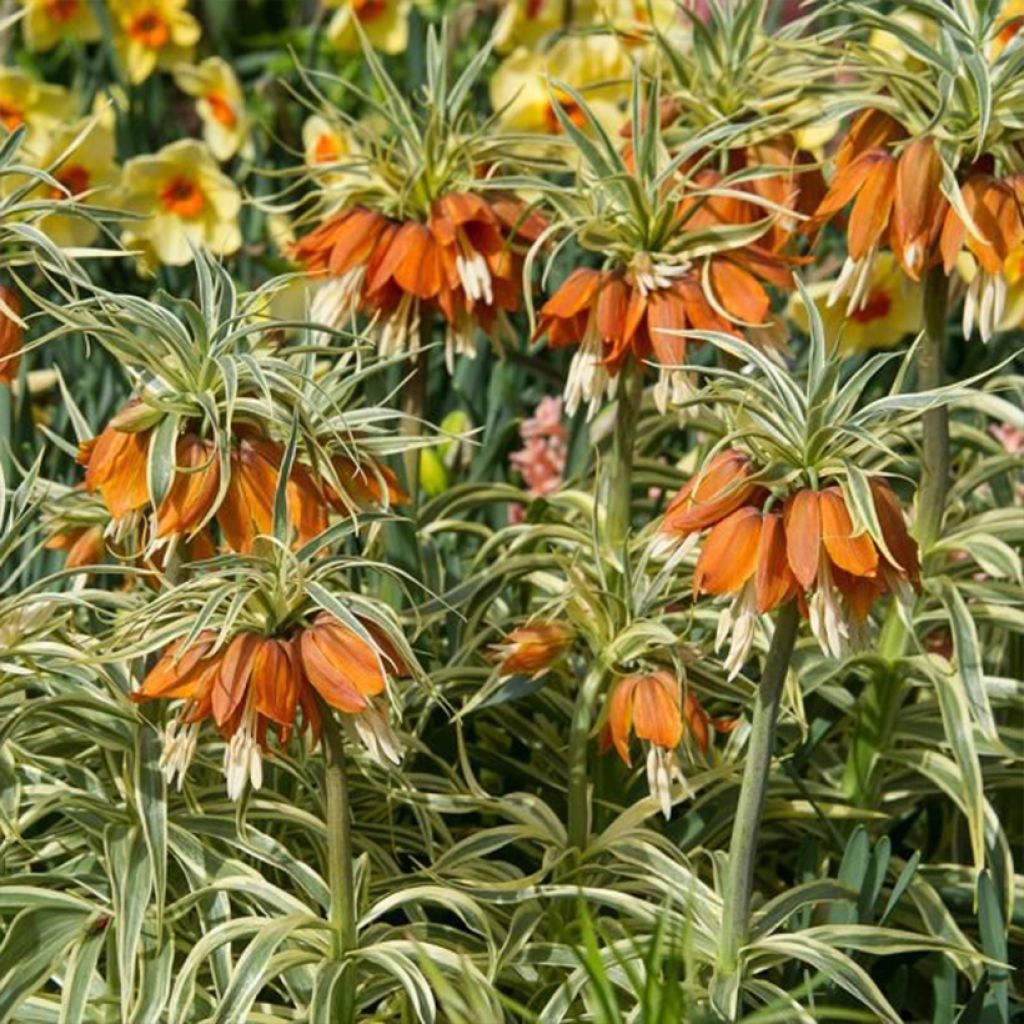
<point>612,303</point>
<point>275,685</point>
<point>870,214</point>
<point>739,292</point>
<point>847,183</point>
<point>894,531</point>
<point>355,241</point>
<point>697,721</point>
<point>117,468</point>
<point>860,592</point>
<point>233,679</point>
<point>712,494</point>
<point>918,206</point>
<point>420,270</point>
<point>802,519</point>
<point>328,679</point>
<point>620,715</point>
<point>775,581</point>
<point>729,555</point>
<point>666,316</point>
<point>871,130</point>
<point>178,673</point>
<point>856,554</point>
<point>656,715</point>
<point>193,489</point>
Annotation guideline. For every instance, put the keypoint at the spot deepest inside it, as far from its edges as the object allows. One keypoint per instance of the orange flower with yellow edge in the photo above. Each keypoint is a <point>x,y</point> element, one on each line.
<point>184,199</point>
<point>256,684</point>
<point>651,706</point>
<point>151,34</point>
<point>532,649</point>
<point>49,22</point>
<point>220,105</point>
<point>11,333</point>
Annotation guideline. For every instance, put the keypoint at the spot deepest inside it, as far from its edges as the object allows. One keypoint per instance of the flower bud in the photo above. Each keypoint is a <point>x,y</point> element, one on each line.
<point>531,649</point>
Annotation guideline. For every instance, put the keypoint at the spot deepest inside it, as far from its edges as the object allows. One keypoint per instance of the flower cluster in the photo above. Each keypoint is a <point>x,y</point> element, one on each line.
<point>255,684</point>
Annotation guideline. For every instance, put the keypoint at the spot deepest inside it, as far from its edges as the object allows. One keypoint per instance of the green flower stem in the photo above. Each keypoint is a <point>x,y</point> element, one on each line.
<point>879,705</point>
<point>618,481</point>
<point>616,494</point>
<point>340,880</point>
<point>414,402</point>
<point>931,498</point>
<point>739,876</point>
<point>578,827</point>
<point>6,435</point>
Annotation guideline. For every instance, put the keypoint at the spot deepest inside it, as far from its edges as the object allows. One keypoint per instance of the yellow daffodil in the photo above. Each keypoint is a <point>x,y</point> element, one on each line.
<point>151,34</point>
<point>39,106</point>
<point>186,199</point>
<point>596,66</point>
<point>220,105</point>
<point>1009,25</point>
<point>329,149</point>
<point>636,21</point>
<point>48,22</point>
<point>385,23</point>
<point>891,310</point>
<point>891,44</point>
<point>527,22</point>
<point>81,159</point>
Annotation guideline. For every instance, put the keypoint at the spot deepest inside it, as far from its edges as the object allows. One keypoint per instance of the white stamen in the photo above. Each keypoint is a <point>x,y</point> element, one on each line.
<point>397,329</point>
<point>179,749</point>
<point>739,619</point>
<point>243,759</point>
<point>376,734</point>
<point>662,771</point>
<point>475,275</point>
<point>588,379</point>
<point>336,301</point>
<point>828,618</point>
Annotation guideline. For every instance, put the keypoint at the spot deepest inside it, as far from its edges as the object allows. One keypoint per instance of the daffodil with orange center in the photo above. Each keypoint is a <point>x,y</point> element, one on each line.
<point>532,649</point>
<point>220,105</point>
<point>80,158</point>
<point>464,261</point>
<point>185,202</point>
<point>151,34</point>
<point>384,23</point>
<point>891,310</point>
<point>255,684</point>
<point>49,22</point>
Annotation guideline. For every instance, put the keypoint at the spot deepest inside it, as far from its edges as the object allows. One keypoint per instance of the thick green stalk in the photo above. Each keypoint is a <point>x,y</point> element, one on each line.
<point>578,826</point>
<point>739,876</point>
<point>618,481</point>
<point>616,493</point>
<point>414,400</point>
<point>879,705</point>
<point>931,498</point>
<point>340,879</point>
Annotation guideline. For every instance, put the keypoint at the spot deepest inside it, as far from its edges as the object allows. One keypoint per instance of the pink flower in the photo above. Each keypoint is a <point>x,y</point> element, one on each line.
<point>541,460</point>
<point>1010,437</point>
